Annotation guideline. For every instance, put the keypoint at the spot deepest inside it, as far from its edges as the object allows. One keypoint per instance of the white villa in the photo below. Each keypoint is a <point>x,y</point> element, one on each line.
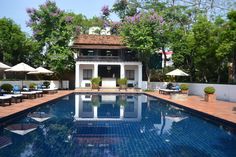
<point>106,57</point>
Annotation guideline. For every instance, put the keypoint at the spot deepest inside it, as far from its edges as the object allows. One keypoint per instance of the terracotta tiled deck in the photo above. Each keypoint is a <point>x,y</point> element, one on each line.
<point>220,109</point>
<point>29,103</point>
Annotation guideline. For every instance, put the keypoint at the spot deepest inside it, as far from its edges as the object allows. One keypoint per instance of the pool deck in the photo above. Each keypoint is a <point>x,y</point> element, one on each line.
<point>219,109</point>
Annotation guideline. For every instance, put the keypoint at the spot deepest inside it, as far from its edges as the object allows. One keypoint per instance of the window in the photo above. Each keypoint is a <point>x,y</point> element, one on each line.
<point>129,74</point>
<point>87,74</point>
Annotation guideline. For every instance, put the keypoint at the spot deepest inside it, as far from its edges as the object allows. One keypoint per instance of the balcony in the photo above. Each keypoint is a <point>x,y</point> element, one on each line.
<point>105,58</point>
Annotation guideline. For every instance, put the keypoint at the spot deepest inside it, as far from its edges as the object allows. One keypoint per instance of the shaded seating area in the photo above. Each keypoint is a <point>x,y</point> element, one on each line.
<point>170,89</point>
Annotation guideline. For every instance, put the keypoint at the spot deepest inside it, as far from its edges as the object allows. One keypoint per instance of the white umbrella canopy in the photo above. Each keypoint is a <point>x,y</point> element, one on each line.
<point>177,72</point>
<point>41,70</point>
<point>21,67</point>
<point>4,66</point>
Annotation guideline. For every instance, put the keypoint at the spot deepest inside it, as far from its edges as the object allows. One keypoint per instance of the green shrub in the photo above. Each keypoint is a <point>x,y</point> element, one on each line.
<point>123,81</point>
<point>209,90</point>
<point>122,101</point>
<point>7,87</point>
<point>32,86</point>
<point>148,90</point>
<point>95,100</point>
<point>184,86</point>
<point>46,84</point>
<point>96,80</point>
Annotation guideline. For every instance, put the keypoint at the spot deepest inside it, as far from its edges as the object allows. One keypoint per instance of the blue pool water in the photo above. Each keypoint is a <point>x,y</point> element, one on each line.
<point>113,126</point>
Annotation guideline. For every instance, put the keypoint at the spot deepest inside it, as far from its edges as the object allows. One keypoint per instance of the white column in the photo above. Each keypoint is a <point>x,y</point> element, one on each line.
<point>122,71</point>
<point>77,71</point>
<point>77,97</point>
<point>95,70</point>
<point>139,107</point>
<point>140,75</point>
<point>121,112</point>
<point>95,112</point>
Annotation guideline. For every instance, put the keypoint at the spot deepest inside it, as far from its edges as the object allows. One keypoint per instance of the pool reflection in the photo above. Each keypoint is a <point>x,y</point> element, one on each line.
<point>108,108</point>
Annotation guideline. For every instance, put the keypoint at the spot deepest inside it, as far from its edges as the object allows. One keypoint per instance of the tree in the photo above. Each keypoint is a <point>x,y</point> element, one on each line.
<point>54,30</point>
<point>144,33</point>
<point>15,46</point>
<point>227,47</point>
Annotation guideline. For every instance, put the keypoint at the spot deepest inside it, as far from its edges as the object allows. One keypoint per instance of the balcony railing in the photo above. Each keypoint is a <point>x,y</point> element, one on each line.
<point>104,58</point>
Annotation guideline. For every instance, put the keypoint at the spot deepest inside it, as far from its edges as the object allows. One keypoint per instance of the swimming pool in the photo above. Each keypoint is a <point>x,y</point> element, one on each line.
<point>113,125</point>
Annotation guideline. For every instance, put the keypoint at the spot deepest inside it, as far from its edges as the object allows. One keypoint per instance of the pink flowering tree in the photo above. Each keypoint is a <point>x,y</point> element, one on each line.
<point>54,30</point>
<point>145,33</point>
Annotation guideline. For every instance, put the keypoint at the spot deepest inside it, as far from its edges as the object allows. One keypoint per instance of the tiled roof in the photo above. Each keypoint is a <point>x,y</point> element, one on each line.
<point>87,39</point>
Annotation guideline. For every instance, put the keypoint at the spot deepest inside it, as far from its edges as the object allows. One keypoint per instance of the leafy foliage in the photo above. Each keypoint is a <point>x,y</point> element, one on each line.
<point>7,87</point>
<point>122,81</point>
<point>184,87</point>
<point>209,90</point>
<point>54,30</point>
<point>96,80</point>
<point>15,46</point>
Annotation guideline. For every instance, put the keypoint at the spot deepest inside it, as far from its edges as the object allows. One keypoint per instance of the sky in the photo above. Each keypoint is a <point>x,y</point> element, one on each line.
<point>16,9</point>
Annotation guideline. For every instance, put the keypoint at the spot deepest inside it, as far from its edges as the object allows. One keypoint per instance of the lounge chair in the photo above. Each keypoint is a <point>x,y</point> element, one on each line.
<point>29,94</point>
<point>15,97</point>
<point>16,89</point>
<point>5,99</point>
<point>169,91</point>
<point>50,90</point>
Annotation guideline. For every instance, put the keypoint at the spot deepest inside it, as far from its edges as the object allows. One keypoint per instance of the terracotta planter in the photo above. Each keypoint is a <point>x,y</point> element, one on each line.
<point>123,86</point>
<point>210,97</point>
<point>95,86</point>
<point>184,91</point>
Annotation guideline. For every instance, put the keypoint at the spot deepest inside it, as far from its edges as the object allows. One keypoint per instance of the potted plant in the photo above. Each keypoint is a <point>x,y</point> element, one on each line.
<point>7,87</point>
<point>95,82</point>
<point>184,88</point>
<point>95,100</point>
<point>46,84</point>
<point>209,94</point>
<point>32,86</point>
<point>122,100</point>
<point>122,83</point>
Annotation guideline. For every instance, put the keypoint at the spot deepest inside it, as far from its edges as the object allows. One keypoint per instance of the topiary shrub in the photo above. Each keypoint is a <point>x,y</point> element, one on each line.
<point>46,84</point>
<point>95,100</point>
<point>95,82</point>
<point>32,86</point>
<point>7,87</point>
<point>184,86</point>
<point>123,81</point>
<point>209,90</point>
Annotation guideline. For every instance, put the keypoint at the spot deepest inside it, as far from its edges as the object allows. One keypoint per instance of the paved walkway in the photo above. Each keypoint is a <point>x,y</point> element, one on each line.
<point>220,109</point>
<point>29,103</point>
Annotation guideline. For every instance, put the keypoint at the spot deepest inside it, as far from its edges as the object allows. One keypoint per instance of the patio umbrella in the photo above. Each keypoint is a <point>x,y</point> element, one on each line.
<point>4,141</point>
<point>41,70</point>
<point>21,67</point>
<point>21,129</point>
<point>177,72</point>
<point>4,67</point>
<point>39,116</point>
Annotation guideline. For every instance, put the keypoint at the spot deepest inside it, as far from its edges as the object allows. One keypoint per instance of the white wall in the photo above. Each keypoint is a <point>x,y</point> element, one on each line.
<point>53,83</point>
<point>223,91</point>
<point>82,67</point>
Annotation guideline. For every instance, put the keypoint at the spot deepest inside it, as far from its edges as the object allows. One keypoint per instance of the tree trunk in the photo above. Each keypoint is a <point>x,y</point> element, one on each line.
<point>218,74</point>
<point>165,57</point>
